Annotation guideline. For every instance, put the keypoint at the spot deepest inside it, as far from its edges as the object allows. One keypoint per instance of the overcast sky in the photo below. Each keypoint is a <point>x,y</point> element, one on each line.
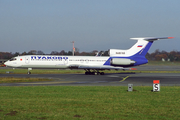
<point>51,25</point>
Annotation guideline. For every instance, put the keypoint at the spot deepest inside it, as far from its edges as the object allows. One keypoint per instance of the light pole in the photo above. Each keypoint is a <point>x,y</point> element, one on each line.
<point>73,48</point>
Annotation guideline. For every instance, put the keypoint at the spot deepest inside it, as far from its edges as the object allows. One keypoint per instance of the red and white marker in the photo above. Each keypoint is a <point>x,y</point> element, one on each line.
<point>156,85</point>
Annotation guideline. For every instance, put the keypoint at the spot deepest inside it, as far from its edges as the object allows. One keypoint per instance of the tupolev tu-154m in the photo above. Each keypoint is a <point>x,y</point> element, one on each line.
<point>117,60</point>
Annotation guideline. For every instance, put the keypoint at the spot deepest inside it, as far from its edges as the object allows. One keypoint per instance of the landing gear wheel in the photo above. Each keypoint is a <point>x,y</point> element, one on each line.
<point>29,69</point>
<point>92,73</point>
<point>98,73</point>
<point>28,73</point>
<point>102,73</point>
<point>95,72</point>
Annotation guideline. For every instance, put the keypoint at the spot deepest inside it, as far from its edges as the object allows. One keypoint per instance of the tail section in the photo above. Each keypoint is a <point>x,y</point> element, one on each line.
<point>141,47</point>
<point>136,54</point>
<point>144,44</point>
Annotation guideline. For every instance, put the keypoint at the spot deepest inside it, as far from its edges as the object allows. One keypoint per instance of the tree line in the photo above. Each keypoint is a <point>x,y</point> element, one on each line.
<point>157,55</point>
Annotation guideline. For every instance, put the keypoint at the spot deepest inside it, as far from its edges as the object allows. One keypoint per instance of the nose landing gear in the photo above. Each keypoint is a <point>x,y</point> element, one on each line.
<point>29,71</point>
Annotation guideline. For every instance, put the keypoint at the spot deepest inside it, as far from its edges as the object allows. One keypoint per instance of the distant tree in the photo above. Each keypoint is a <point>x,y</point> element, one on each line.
<point>157,51</point>
<point>39,52</point>
<point>16,54</point>
<point>164,52</point>
<point>54,53</point>
<point>148,56</point>
<point>152,55</point>
<point>1,55</point>
<point>160,56</point>
<point>24,53</point>
<point>5,55</point>
<point>84,54</point>
<point>69,53</point>
<point>101,53</point>
<point>174,56</point>
<point>32,52</point>
<point>62,52</point>
<point>94,53</point>
<point>76,51</point>
<point>106,53</point>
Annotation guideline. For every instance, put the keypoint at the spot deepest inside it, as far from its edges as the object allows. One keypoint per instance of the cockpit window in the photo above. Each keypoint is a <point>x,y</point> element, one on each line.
<point>12,59</point>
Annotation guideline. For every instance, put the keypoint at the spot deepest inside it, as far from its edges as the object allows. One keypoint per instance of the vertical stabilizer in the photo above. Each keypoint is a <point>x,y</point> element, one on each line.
<point>136,53</point>
<point>144,44</point>
<point>141,47</point>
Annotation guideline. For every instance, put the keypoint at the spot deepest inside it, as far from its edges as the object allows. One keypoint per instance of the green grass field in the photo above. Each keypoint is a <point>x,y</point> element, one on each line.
<point>91,103</point>
<point>163,63</point>
<point>15,80</point>
<point>40,71</point>
<point>86,102</point>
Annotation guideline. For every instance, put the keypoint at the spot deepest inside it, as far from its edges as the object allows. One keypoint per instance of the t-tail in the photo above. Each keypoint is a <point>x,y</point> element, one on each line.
<point>133,56</point>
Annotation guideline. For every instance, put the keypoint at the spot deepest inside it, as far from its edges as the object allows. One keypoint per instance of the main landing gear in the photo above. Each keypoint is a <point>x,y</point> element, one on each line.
<point>28,72</point>
<point>95,72</point>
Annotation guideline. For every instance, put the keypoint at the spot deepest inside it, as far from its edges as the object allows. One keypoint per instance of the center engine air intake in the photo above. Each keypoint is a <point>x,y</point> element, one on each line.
<point>122,61</point>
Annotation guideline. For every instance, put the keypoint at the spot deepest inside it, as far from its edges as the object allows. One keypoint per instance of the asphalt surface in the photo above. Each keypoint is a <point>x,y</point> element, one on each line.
<point>110,79</point>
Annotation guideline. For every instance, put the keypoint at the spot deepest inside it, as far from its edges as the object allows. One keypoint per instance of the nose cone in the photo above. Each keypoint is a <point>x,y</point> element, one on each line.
<point>7,63</point>
<point>11,64</point>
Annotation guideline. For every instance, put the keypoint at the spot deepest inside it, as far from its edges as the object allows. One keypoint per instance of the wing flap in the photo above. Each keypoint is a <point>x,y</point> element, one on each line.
<point>99,67</point>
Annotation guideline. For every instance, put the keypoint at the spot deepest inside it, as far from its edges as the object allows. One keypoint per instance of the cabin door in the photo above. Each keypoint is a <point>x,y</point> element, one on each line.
<point>27,60</point>
<point>65,60</point>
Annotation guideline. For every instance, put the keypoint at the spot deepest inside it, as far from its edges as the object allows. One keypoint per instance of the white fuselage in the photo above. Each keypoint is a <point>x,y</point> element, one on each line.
<point>52,61</point>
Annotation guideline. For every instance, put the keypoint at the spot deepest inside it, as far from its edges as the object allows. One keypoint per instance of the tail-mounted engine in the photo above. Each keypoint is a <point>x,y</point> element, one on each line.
<point>122,61</point>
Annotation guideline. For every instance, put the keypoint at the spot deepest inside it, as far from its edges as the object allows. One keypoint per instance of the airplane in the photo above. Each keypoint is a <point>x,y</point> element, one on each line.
<point>117,60</point>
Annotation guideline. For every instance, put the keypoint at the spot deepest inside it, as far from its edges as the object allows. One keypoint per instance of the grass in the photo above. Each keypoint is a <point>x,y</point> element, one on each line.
<point>86,102</point>
<point>89,102</point>
<point>163,63</point>
<point>40,71</point>
<point>16,80</point>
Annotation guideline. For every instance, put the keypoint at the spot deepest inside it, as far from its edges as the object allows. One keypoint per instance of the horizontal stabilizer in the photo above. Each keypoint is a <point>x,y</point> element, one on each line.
<point>152,38</point>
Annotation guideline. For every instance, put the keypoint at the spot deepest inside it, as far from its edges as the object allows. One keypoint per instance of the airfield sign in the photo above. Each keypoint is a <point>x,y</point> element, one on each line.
<point>156,85</point>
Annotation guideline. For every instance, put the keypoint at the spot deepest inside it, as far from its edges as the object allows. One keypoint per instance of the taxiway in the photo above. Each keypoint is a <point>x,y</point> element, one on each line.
<point>109,79</point>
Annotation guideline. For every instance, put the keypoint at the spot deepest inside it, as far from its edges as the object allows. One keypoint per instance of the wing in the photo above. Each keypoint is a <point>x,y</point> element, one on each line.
<point>98,67</point>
